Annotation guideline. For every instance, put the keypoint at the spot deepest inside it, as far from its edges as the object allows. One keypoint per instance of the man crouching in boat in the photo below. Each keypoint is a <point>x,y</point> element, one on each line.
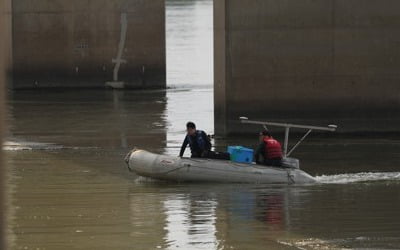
<point>198,141</point>
<point>269,150</point>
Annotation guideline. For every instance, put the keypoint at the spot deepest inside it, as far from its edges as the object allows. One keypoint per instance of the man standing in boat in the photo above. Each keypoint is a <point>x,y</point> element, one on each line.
<point>269,150</point>
<point>198,141</point>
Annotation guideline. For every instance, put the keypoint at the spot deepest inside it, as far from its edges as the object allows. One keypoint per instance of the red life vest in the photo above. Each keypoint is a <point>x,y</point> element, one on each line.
<point>273,149</point>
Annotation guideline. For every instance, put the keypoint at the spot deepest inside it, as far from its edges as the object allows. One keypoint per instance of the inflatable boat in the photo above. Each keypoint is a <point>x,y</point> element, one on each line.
<point>172,168</point>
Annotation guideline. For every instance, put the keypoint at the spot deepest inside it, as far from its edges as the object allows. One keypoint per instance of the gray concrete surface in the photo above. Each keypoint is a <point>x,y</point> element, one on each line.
<point>308,61</point>
<point>5,48</point>
<point>60,43</point>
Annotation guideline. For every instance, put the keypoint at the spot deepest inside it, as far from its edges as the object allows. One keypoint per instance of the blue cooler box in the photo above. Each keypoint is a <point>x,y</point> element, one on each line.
<point>240,154</point>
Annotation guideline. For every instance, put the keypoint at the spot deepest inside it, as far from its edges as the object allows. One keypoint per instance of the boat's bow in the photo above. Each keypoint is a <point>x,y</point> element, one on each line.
<point>149,164</point>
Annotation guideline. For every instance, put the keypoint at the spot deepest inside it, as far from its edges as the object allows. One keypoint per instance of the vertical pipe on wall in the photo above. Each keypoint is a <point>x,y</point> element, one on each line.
<point>220,63</point>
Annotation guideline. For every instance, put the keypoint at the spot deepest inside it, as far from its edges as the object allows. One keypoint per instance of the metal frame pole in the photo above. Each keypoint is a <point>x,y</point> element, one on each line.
<point>287,126</point>
<point>298,143</point>
<point>285,145</point>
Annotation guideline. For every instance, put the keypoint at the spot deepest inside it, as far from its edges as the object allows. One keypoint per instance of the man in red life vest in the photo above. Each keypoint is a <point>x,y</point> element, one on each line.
<point>269,149</point>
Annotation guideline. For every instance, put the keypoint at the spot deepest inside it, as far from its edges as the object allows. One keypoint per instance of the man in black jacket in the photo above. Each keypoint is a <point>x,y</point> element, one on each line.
<point>198,141</point>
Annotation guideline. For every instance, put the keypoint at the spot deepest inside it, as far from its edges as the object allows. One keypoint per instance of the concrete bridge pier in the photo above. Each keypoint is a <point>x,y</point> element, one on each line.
<point>5,61</point>
<point>88,43</point>
<point>307,61</point>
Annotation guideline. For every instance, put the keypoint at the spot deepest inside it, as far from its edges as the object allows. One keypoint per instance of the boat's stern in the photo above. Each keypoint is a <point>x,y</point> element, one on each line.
<point>295,174</point>
<point>289,162</point>
<point>303,177</point>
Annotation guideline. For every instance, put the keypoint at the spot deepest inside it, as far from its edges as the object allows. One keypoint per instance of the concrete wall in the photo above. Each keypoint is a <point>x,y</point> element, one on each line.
<point>308,61</point>
<point>59,43</point>
<point>5,57</point>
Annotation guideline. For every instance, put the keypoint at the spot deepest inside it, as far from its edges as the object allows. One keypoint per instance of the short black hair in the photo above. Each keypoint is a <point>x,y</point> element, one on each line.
<point>190,125</point>
<point>265,133</point>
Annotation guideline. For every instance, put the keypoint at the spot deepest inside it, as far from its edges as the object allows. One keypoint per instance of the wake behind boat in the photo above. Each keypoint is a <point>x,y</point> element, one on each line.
<point>172,168</point>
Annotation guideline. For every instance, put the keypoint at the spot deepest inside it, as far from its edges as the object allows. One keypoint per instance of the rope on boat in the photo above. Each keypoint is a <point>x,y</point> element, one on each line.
<point>290,177</point>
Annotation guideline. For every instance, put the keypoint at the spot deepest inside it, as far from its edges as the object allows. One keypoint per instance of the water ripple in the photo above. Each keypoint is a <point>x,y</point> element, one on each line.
<point>358,177</point>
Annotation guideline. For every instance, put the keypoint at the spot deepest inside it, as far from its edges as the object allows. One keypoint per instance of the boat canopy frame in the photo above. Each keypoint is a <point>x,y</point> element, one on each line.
<point>287,127</point>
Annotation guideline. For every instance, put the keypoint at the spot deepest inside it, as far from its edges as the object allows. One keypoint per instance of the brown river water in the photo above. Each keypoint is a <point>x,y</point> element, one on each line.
<point>69,188</point>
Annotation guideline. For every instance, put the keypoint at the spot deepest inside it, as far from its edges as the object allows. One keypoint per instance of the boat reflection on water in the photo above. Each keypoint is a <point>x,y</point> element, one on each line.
<point>260,214</point>
<point>179,221</point>
<point>210,219</point>
<point>190,221</point>
<point>270,208</point>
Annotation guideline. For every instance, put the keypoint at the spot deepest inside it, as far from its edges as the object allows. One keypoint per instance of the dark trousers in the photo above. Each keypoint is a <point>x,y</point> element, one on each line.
<point>212,155</point>
<point>273,162</point>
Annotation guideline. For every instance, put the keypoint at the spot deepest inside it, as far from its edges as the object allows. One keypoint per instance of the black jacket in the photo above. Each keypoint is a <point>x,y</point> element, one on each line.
<point>199,144</point>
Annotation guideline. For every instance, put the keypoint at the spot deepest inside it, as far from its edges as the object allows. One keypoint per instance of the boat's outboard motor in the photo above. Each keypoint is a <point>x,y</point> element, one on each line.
<point>289,162</point>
